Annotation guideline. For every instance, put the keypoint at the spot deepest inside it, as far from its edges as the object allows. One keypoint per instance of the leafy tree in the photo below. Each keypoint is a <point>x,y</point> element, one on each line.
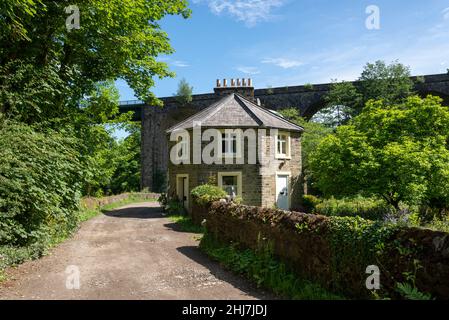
<point>395,151</point>
<point>342,103</point>
<point>40,181</point>
<point>378,81</point>
<point>126,177</point>
<point>184,93</point>
<point>47,69</point>
<point>313,134</point>
<point>54,78</point>
<point>390,83</point>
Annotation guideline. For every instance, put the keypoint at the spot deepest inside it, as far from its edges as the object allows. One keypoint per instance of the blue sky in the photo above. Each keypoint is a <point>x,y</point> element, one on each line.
<point>293,42</point>
<point>288,42</point>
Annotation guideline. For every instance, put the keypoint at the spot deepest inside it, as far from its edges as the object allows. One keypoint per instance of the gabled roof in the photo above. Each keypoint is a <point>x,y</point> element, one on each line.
<point>236,111</point>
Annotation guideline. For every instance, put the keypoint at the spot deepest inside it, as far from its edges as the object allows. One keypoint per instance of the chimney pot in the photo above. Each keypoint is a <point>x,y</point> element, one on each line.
<point>232,83</point>
<point>239,83</point>
<point>225,83</point>
<point>249,82</point>
<point>218,83</point>
<point>243,82</point>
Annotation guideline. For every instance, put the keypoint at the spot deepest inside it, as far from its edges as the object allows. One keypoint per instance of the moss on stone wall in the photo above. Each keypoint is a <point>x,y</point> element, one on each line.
<point>336,251</point>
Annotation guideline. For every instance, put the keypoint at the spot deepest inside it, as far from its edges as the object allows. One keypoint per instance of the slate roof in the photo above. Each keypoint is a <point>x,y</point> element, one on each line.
<point>236,111</point>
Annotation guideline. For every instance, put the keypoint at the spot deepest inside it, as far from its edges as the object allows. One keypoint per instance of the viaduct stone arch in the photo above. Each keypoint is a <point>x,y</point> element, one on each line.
<point>307,99</point>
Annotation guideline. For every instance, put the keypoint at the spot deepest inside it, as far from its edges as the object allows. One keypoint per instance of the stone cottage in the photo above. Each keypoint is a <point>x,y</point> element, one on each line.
<point>249,151</point>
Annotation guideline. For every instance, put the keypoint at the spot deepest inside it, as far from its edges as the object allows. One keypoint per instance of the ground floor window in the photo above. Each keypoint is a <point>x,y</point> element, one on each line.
<point>231,182</point>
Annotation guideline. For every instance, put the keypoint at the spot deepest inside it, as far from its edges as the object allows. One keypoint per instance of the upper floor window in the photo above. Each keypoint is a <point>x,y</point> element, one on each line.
<point>283,145</point>
<point>229,144</point>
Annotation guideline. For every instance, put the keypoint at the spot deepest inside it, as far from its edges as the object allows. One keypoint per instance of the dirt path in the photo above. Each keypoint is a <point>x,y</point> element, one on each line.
<point>129,253</point>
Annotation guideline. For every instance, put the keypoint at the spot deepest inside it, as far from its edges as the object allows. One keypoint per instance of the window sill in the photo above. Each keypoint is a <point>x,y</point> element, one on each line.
<point>230,156</point>
<point>283,157</point>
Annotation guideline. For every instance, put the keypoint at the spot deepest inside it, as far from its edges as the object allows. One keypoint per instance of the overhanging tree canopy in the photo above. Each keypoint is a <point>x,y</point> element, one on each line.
<point>46,69</point>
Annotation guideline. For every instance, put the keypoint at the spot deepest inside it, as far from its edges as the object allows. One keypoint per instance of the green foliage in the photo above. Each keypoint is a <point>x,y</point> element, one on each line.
<point>438,224</point>
<point>40,184</point>
<point>116,39</point>
<point>51,77</point>
<point>309,202</point>
<point>174,207</point>
<point>206,194</point>
<point>368,208</point>
<point>342,103</point>
<point>126,158</point>
<point>313,134</point>
<point>397,152</point>
<point>308,86</point>
<point>390,83</point>
<point>356,243</point>
<point>410,292</point>
<point>261,267</point>
<point>184,93</point>
<point>378,81</point>
<point>186,224</point>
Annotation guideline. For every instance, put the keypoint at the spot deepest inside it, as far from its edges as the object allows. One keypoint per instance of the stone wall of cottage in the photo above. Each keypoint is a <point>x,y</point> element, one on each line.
<point>308,99</point>
<point>258,181</point>
<point>292,166</point>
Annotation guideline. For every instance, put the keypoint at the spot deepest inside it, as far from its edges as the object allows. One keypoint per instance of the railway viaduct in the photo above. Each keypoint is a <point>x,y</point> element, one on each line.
<point>309,99</point>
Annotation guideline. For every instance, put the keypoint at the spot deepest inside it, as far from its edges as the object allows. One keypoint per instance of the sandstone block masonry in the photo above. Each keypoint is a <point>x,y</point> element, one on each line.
<point>308,99</point>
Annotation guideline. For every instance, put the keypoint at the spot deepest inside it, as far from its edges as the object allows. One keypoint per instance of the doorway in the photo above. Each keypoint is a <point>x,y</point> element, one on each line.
<point>182,189</point>
<point>282,192</point>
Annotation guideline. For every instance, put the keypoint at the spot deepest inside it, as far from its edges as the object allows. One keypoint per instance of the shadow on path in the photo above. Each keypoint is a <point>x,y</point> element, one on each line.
<point>218,271</point>
<point>136,212</point>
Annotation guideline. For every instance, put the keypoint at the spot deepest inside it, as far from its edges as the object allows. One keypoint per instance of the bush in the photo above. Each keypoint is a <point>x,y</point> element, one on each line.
<point>309,202</point>
<point>206,194</point>
<point>368,208</point>
<point>175,207</point>
<point>40,183</point>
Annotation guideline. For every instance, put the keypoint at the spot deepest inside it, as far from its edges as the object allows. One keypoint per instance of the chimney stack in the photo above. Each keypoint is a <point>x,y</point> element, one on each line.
<point>242,86</point>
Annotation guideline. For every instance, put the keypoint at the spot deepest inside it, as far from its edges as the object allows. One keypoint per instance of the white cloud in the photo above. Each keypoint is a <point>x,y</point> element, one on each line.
<point>181,64</point>
<point>248,70</point>
<point>445,13</point>
<point>250,12</point>
<point>283,62</point>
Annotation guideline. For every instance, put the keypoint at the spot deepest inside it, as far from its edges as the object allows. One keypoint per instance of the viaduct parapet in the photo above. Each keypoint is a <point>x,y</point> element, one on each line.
<point>308,99</point>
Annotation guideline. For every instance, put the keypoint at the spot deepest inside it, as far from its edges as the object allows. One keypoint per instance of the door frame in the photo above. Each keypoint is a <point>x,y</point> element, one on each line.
<point>183,175</point>
<point>288,174</point>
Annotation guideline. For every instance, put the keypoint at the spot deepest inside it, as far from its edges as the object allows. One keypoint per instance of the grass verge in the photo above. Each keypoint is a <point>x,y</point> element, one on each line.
<point>266,271</point>
<point>186,224</point>
<point>87,214</point>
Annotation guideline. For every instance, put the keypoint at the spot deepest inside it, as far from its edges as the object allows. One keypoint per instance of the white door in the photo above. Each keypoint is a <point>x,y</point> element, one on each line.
<point>282,192</point>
